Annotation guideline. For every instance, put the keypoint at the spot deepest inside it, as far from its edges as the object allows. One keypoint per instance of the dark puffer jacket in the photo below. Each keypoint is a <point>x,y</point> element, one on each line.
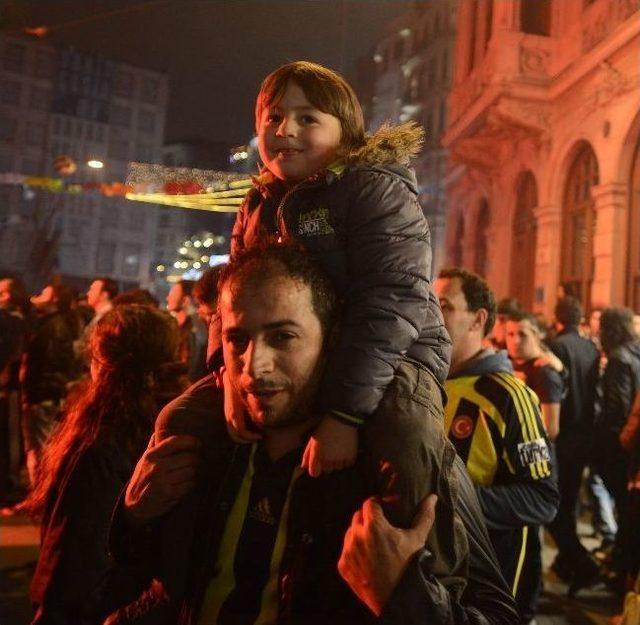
<point>363,223</point>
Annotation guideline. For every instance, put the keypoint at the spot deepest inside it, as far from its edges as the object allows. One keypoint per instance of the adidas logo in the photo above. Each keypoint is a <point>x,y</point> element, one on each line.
<point>262,512</point>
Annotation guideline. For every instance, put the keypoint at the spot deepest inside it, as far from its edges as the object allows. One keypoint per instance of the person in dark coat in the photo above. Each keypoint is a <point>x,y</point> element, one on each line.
<point>239,533</point>
<point>351,201</point>
<point>49,366</point>
<point>89,459</point>
<point>620,384</point>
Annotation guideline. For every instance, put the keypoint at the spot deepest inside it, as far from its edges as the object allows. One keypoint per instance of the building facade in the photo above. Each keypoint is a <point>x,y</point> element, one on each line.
<point>411,72</point>
<point>543,132</point>
<point>56,101</point>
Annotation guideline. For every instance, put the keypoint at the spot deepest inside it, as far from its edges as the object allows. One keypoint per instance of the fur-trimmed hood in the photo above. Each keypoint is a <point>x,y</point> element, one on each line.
<point>389,145</point>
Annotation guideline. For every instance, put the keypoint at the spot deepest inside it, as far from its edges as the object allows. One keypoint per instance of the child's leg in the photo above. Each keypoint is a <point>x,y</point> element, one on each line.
<point>408,456</point>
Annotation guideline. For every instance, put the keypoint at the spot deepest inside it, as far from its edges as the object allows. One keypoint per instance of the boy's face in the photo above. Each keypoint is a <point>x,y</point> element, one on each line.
<point>295,139</point>
<point>523,341</point>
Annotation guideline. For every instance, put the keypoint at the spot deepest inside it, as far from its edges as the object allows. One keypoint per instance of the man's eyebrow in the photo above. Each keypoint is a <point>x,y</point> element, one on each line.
<point>279,324</point>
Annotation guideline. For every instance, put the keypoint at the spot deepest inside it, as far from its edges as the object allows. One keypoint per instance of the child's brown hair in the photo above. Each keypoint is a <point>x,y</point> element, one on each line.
<point>325,89</point>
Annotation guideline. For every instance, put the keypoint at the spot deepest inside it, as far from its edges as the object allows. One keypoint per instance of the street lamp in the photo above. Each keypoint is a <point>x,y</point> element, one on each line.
<point>95,164</point>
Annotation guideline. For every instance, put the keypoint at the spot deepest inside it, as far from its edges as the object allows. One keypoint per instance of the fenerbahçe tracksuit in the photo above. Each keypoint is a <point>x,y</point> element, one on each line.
<point>494,422</point>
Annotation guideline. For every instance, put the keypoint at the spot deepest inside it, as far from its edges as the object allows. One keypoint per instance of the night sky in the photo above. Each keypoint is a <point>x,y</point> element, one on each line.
<point>216,52</point>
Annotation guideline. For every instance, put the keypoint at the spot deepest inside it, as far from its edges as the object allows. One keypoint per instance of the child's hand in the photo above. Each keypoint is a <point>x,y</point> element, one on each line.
<point>333,446</point>
<point>234,414</point>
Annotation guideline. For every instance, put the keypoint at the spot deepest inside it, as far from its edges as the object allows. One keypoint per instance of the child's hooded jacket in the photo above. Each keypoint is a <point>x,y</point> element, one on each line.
<point>361,220</point>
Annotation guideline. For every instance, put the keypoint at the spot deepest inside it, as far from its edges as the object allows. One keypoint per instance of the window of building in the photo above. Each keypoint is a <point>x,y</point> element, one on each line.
<point>43,66</point>
<point>481,261</point>
<point>456,255</point>
<point>109,216</point>
<point>105,261</point>
<point>119,148</point>
<point>123,84</point>
<point>40,98</point>
<point>10,92</point>
<point>8,128</point>
<point>131,260</point>
<point>535,17</point>
<point>35,133</point>
<point>579,222</point>
<point>146,121</point>
<point>13,57</point>
<point>121,115</point>
<point>149,90</point>
<point>524,241</point>
<point>633,258</point>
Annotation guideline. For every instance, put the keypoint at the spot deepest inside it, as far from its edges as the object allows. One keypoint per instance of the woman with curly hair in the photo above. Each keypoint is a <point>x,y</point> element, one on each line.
<point>87,462</point>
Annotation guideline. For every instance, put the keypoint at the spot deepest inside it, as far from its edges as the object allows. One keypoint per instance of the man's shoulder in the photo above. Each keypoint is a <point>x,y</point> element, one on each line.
<point>198,411</point>
<point>506,392</point>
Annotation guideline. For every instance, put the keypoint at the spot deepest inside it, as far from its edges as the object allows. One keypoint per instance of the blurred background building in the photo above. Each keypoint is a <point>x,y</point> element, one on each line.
<point>408,77</point>
<point>57,101</point>
<point>543,132</point>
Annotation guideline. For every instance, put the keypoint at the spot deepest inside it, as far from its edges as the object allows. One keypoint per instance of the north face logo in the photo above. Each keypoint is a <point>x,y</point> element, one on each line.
<point>314,223</point>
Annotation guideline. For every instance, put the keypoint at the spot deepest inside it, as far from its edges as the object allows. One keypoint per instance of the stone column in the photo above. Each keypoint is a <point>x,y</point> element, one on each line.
<point>609,244</point>
<point>547,271</point>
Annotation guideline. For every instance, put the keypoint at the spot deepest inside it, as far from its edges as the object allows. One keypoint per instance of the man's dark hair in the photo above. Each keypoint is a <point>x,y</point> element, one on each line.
<point>266,260</point>
<point>508,306</point>
<point>476,292</point>
<point>523,315</point>
<point>569,312</point>
<point>205,290</point>
<point>109,285</point>
<point>616,328</point>
<point>187,287</point>
<point>142,297</point>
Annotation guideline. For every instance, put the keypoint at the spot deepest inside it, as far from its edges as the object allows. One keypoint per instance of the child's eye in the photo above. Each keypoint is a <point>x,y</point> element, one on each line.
<point>274,118</point>
<point>308,119</point>
<point>282,338</point>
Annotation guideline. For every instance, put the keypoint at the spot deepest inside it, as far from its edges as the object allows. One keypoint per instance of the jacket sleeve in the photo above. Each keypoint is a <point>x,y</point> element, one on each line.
<point>420,599</point>
<point>387,301</point>
<point>630,435</point>
<point>617,394</point>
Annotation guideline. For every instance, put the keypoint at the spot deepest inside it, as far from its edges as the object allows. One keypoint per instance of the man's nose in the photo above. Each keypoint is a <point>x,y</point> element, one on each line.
<point>258,359</point>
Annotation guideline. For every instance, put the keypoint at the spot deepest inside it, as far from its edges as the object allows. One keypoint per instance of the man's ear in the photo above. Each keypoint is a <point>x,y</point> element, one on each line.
<point>479,319</point>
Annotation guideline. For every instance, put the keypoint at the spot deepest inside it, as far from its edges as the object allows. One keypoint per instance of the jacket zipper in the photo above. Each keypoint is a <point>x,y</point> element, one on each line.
<point>314,181</point>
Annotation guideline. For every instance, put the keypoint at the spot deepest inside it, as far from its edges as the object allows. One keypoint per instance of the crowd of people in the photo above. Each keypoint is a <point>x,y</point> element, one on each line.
<point>358,444</point>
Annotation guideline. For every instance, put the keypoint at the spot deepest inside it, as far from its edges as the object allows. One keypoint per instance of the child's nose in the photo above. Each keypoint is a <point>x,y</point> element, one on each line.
<point>286,127</point>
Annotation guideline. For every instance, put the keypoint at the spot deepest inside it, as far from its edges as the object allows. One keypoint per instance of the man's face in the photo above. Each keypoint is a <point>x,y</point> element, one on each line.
<point>94,294</point>
<point>273,348</point>
<point>295,139</point>
<point>5,293</point>
<point>458,319</point>
<point>206,311</point>
<point>523,340</point>
<point>46,298</point>
<point>175,298</point>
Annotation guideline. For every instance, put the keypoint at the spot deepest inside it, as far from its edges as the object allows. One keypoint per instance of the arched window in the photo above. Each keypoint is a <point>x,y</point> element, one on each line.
<point>456,255</point>
<point>579,223</point>
<point>535,17</point>
<point>633,269</point>
<point>481,262</point>
<point>524,239</point>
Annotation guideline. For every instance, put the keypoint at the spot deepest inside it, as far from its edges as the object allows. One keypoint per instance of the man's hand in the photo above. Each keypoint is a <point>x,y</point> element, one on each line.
<point>375,554</point>
<point>165,473</point>
<point>333,446</point>
<point>234,414</point>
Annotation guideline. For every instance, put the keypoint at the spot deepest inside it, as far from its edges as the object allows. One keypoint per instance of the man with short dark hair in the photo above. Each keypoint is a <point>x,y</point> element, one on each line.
<point>193,333</point>
<point>100,296</point>
<point>239,533</point>
<point>580,358</point>
<point>205,293</point>
<point>494,422</point>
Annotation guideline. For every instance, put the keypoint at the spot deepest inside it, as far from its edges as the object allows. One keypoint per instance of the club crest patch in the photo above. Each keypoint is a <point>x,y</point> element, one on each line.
<point>462,426</point>
<point>314,223</point>
<point>533,451</point>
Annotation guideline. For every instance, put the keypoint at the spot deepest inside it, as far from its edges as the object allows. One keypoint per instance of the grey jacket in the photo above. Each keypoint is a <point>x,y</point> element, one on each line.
<point>362,221</point>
